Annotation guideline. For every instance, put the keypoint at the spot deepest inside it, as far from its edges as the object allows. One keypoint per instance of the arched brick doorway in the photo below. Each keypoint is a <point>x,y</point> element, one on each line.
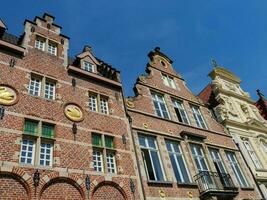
<point>61,189</point>
<point>108,191</point>
<point>12,187</point>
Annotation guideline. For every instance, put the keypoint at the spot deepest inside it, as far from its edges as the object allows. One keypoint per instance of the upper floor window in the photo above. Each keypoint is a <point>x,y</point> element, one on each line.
<point>198,117</point>
<point>98,103</point>
<point>252,154</point>
<point>48,90</point>
<point>180,111</point>
<point>52,48</point>
<point>88,66</point>
<point>199,157</point>
<point>36,146</point>
<point>178,162</point>
<point>160,105</point>
<point>168,81</point>
<point>236,168</point>
<point>151,158</point>
<point>40,43</point>
<point>216,158</point>
<point>103,153</point>
<point>264,145</point>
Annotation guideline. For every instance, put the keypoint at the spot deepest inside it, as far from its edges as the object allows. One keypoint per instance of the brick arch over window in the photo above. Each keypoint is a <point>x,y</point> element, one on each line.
<point>12,186</point>
<point>62,188</point>
<point>108,191</point>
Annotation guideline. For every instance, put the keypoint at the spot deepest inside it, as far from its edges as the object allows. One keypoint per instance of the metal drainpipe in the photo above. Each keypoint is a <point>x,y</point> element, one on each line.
<point>134,146</point>
<point>250,171</point>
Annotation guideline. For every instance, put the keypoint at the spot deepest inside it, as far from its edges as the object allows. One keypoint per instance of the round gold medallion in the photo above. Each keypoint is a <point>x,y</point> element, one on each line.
<point>73,112</point>
<point>8,95</point>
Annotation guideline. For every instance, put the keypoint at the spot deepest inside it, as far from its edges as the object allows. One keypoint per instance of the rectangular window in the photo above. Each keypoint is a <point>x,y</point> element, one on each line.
<point>180,112</point>
<point>151,158</point>
<point>27,151</point>
<point>160,105</point>
<point>88,66</point>
<point>236,168</point>
<point>109,142</point>
<point>178,162</point>
<point>35,86</point>
<point>30,127</point>
<point>50,90</point>
<point>45,154</point>
<point>199,157</point>
<point>40,43</point>
<point>252,154</point>
<point>168,81</point>
<point>103,105</point>
<point>92,102</point>
<point>111,164</point>
<point>52,48</point>
<point>48,130</point>
<point>96,140</point>
<point>98,160</point>
<point>198,117</point>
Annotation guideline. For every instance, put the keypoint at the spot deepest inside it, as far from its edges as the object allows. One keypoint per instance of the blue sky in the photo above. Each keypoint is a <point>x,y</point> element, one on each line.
<point>191,32</point>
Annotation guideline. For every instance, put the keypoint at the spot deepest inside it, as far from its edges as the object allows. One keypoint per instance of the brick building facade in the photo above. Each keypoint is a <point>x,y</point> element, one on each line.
<point>64,130</point>
<point>182,151</point>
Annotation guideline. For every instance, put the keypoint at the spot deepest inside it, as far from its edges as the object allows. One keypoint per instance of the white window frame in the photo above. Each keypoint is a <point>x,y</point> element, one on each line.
<point>168,81</point>
<point>111,160</point>
<point>98,164</point>
<point>180,106</point>
<point>87,66</point>
<point>45,154</point>
<point>264,145</point>
<point>52,48</point>
<point>234,164</point>
<point>33,83</point>
<point>26,156</point>
<point>252,154</point>
<point>103,105</point>
<point>175,153</point>
<point>214,151</point>
<point>159,100</point>
<point>39,41</point>
<point>93,104</point>
<point>47,90</point>
<point>147,147</point>
<point>198,117</point>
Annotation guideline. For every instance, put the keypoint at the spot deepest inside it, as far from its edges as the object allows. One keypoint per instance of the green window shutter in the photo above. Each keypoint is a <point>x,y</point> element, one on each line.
<point>31,127</point>
<point>96,139</point>
<point>109,142</point>
<point>48,130</point>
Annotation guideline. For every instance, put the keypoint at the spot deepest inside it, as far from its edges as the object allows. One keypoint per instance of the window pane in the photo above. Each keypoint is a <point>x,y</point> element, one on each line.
<point>92,102</point>
<point>148,164</point>
<point>27,152</point>
<point>97,160</point>
<point>252,155</point>
<point>96,139</point>
<point>88,67</point>
<point>109,142</point>
<point>103,106</point>
<point>160,105</point>
<point>30,127</point>
<point>111,164</point>
<point>46,154</point>
<point>49,90</point>
<point>157,165</point>
<point>35,86</point>
<point>48,130</point>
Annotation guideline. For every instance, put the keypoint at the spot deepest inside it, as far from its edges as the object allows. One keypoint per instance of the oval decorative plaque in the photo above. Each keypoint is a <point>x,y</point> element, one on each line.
<point>8,95</point>
<point>73,112</point>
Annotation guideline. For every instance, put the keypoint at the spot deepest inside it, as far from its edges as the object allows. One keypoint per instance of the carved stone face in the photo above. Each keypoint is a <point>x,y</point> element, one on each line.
<point>73,112</point>
<point>8,95</point>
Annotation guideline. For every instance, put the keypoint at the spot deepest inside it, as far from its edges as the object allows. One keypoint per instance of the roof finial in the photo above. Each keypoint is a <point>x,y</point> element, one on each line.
<point>214,63</point>
<point>87,48</point>
<point>259,93</point>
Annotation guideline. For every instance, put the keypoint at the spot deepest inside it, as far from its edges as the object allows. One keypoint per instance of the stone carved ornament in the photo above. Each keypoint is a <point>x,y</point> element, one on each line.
<point>73,112</point>
<point>8,95</point>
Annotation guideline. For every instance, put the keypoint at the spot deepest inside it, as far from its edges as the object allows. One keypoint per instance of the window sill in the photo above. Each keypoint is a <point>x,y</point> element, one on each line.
<point>261,170</point>
<point>247,188</point>
<point>162,183</point>
<point>193,185</point>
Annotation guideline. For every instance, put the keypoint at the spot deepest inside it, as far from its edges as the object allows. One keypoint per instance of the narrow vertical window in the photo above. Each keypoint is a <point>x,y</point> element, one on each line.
<point>180,112</point>
<point>236,168</point>
<point>178,163</point>
<point>48,130</point>
<point>30,127</point>
<point>198,117</point>
<point>35,86</point>
<point>40,43</point>
<point>151,158</point>
<point>160,105</point>
<point>168,81</point>
<point>46,154</point>
<point>88,66</point>
<point>252,154</point>
<point>92,102</point>
<point>111,164</point>
<point>27,152</point>
<point>103,105</point>
<point>52,48</point>
<point>98,160</point>
<point>50,90</point>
